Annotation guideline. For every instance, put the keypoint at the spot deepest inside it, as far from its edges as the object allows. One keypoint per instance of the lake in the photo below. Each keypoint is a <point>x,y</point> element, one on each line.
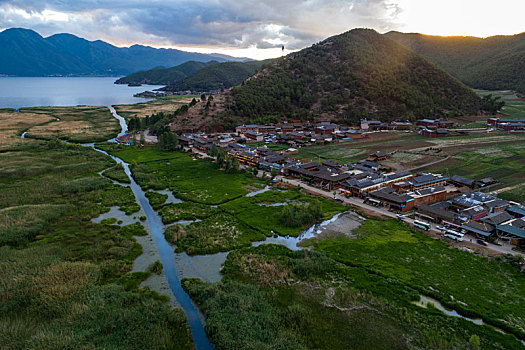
<point>17,92</point>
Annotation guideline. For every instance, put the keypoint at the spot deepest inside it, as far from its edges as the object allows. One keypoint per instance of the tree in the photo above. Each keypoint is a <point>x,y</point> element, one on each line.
<point>475,341</point>
<point>274,172</point>
<point>214,150</point>
<point>142,138</point>
<point>203,97</point>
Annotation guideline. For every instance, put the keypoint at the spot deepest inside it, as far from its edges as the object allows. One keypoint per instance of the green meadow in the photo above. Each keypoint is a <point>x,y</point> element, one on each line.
<point>272,297</point>
<point>474,285</point>
<point>190,179</point>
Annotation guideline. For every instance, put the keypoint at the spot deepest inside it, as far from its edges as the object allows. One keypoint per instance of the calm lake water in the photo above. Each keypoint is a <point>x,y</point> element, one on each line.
<point>16,92</point>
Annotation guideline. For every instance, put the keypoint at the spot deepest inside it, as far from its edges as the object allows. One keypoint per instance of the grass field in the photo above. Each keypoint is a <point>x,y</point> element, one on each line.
<point>514,107</point>
<point>256,212</point>
<point>271,297</point>
<point>13,124</point>
<point>75,124</point>
<point>162,104</point>
<point>472,284</point>
<point>504,162</point>
<point>63,275</point>
<point>516,194</point>
<point>190,179</point>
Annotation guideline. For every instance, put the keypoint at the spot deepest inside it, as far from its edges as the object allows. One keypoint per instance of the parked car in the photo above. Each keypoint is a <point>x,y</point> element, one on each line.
<point>441,228</point>
<point>482,242</point>
<point>339,200</point>
<point>400,216</point>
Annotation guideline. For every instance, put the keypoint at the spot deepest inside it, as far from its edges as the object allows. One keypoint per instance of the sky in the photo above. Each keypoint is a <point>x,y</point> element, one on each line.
<point>256,28</point>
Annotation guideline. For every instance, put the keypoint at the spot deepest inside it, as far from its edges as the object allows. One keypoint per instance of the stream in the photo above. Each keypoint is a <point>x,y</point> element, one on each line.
<point>165,250</point>
<point>424,301</point>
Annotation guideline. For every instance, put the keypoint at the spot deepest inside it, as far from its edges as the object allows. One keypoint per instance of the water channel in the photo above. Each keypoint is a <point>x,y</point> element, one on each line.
<point>165,250</point>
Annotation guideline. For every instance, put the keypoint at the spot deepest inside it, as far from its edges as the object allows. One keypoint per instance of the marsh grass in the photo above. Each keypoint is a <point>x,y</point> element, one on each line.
<point>117,173</point>
<point>199,181</point>
<point>77,124</point>
<point>63,275</point>
<point>156,200</point>
<point>473,285</point>
<point>271,296</point>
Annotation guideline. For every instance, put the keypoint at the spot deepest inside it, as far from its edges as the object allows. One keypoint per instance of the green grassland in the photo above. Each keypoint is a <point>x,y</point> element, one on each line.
<point>514,107</point>
<point>117,173</point>
<point>274,298</point>
<point>217,233</point>
<point>190,179</point>
<point>516,194</point>
<point>501,162</point>
<point>62,274</point>
<point>471,284</point>
<point>254,212</point>
<point>156,200</point>
<point>77,124</point>
<point>186,211</point>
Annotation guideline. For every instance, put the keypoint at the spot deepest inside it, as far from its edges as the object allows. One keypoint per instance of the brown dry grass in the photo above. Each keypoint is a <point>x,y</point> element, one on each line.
<point>12,124</point>
<point>76,124</point>
<point>166,105</point>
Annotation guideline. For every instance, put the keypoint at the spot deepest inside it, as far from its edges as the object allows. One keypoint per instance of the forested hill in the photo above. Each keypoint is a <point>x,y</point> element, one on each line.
<point>164,76</point>
<point>26,53</point>
<point>357,74</point>
<point>217,76</point>
<point>493,63</point>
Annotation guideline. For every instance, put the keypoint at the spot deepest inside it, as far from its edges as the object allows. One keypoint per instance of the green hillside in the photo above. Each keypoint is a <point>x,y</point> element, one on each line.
<point>357,74</point>
<point>164,76</point>
<point>494,63</point>
<point>217,76</point>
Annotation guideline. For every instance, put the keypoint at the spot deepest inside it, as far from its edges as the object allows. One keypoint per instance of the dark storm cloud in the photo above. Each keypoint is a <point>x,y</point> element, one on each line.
<point>226,23</point>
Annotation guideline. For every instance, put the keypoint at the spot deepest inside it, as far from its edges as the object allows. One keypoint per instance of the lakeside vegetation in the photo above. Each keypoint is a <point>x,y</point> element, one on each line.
<point>80,124</point>
<point>65,278</point>
<point>272,297</point>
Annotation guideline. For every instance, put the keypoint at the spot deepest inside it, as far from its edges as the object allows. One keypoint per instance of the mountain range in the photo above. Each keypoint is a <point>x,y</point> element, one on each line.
<point>493,63</point>
<point>27,53</point>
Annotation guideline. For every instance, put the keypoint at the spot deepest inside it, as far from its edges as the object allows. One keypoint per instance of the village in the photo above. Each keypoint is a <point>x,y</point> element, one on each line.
<point>455,207</point>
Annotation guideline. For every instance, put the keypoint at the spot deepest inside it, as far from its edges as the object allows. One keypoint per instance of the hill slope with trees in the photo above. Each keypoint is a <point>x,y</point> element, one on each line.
<point>217,76</point>
<point>494,63</point>
<point>357,74</point>
<point>164,76</point>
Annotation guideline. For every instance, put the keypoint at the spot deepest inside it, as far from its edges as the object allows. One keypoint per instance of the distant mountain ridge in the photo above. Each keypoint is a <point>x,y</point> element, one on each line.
<point>164,76</point>
<point>27,53</point>
<point>493,63</point>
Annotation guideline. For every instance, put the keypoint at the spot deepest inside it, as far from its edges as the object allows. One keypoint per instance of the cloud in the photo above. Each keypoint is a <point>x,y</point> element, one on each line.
<point>212,23</point>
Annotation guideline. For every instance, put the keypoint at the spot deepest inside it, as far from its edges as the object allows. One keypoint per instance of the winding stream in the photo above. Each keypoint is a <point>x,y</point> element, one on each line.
<point>165,250</point>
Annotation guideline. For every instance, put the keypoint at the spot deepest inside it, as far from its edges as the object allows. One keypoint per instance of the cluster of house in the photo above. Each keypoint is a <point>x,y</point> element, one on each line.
<point>298,134</point>
<point>479,214</point>
<point>507,125</point>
